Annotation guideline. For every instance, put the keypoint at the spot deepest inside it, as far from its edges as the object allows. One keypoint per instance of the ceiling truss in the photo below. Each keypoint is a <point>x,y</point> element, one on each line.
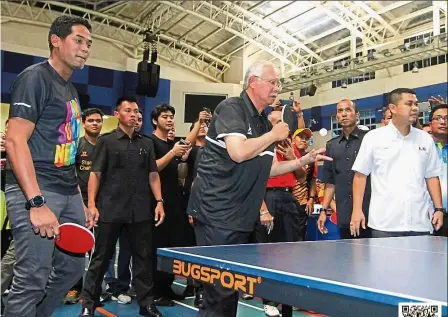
<point>372,24</point>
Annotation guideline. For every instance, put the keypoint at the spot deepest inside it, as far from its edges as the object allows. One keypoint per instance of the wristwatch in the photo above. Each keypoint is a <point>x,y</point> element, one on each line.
<point>440,209</point>
<point>35,202</point>
<point>160,201</point>
<point>323,210</point>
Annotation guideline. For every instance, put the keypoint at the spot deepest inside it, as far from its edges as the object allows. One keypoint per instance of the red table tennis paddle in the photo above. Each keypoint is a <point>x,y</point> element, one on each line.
<point>75,238</point>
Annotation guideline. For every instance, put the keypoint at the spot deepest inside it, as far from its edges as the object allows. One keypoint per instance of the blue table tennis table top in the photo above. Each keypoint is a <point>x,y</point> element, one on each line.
<point>384,270</point>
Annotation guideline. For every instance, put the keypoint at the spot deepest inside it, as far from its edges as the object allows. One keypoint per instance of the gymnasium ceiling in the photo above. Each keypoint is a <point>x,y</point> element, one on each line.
<point>205,36</point>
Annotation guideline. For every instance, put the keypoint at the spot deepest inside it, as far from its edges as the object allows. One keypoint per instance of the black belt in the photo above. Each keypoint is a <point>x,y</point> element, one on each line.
<point>280,189</point>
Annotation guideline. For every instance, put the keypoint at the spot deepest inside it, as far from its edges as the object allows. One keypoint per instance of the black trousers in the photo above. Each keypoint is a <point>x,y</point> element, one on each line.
<point>387,234</point>
<point>124,261</point>
<point>363,233</point>
<point>219,301</point>
<point>189,239</point>
<point>78,285</point>
<point>141,246</point>
<point>287,222</point>
<point>168,235</point>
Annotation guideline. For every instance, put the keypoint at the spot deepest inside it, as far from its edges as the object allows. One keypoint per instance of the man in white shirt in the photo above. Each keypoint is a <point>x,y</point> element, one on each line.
<point>402,161</point>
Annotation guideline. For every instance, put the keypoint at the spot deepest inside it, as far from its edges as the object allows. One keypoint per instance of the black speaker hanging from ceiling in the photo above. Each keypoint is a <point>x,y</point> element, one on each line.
<point>148,73</point>
<point>312,90</point>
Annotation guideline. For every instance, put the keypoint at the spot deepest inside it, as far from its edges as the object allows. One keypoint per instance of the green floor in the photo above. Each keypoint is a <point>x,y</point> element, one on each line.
<point>185,308</point>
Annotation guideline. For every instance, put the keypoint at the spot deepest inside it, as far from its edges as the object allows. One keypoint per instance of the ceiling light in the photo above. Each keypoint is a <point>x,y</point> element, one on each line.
<point>344,84</point>
<point>404,47</point>
<point>387,53</point>
<point>371,56</point>
<point>357,60</point>
<point>415,68</point>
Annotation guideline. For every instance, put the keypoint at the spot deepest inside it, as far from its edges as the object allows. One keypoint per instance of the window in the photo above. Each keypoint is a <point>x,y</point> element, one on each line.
<point>335,128</point>
<point>342,63</point>
<point>366,118</point>
<point>421,40</point>
<point>423,117</point>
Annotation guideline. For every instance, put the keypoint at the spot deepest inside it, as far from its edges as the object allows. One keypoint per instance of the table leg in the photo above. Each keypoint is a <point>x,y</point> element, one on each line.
<point>286,311</point>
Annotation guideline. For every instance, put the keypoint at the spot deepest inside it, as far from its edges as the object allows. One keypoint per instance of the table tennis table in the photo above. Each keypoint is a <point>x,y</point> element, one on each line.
<point>363,277</point>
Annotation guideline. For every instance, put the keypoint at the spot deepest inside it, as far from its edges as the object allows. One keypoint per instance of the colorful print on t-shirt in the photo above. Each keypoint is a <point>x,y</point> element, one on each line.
<point>68,135</point>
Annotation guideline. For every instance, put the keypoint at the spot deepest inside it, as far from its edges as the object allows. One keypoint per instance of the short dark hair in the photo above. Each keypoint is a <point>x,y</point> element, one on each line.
<point>157,111</point>
<point>424,125</point>
<point>122,99</point>
<point>438,107</point>
<point>355,106</point>
<point>7,121</point>
<point>140,111</point>
<point>395,95</point>
<point>90,111</point>
<point>62,27</point>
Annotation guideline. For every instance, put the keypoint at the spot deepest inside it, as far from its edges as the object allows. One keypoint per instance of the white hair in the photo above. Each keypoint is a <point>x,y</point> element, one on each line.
<point>256,69</point>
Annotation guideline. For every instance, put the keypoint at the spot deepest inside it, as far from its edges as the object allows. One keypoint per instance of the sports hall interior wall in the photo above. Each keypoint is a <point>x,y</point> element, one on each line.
<point>112,73</point>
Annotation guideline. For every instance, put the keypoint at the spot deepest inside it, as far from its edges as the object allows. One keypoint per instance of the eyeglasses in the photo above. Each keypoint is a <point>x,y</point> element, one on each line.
<point>440,119</point>
<point>272,81</point>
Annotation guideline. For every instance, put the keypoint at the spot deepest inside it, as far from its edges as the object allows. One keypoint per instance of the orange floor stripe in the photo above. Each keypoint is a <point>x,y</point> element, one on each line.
<point>103,311</point>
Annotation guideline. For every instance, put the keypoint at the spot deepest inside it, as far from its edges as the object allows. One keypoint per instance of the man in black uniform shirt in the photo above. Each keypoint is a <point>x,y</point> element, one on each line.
<point>170,233</point>
<point>92,121</point>
<point>338,174</point>
<point>123,161</point>
<point>42,188</point>
<point>233,170</point>
<point>123,292</point>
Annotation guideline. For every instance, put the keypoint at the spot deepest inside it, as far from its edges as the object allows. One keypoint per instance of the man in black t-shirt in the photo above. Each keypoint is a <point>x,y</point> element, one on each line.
<point>92,121</point>
<point>139,123</point>
<point>42,188</point>
<point>193,155</point>
<point>198,131</point>
<point>170,233</point>
<point>233,170</point>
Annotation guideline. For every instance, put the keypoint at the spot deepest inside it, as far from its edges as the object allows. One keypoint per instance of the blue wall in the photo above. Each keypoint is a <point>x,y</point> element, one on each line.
<point>323,114</point>
<point>103,86</point>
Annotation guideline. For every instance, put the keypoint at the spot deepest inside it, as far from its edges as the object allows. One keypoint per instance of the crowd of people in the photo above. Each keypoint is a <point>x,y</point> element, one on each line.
<point>240,175</point>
